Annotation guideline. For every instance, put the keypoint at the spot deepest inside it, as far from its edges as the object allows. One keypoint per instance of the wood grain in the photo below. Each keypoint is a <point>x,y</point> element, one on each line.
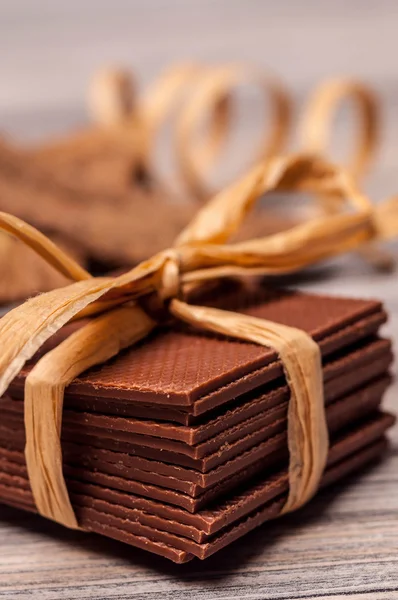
<point>345,543</point>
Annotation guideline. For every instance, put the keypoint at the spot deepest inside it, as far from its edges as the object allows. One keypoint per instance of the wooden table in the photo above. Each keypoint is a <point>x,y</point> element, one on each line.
<point>345,543</point>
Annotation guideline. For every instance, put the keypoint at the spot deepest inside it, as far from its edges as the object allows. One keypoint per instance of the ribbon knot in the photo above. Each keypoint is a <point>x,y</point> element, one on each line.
<point>167,288</point>
<point>170,280</point>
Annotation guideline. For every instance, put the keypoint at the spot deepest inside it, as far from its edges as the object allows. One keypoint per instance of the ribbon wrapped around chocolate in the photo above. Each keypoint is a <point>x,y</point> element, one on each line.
<point>200,253</point>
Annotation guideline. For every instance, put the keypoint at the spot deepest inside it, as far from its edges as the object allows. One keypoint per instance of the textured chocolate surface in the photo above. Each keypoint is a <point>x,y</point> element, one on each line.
<point>341,374</point>
<point>180,367</point>
<point>333,345</point>
<point>227,414</point>
<point>186,368</point>
<point>367,329</point>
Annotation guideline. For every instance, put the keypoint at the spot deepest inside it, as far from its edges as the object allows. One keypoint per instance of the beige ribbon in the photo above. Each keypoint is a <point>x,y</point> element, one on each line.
<point>317,121</point>
<point>201,253</point>
<point>115,106</point>
<point>200,97</point>
<point>198,91</point>
<point>315,133</point>
<point>169,92</point>
<point>211,90</point>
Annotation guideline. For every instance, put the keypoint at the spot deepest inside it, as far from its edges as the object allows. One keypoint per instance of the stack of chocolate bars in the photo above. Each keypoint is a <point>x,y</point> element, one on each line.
<point>179,445</point>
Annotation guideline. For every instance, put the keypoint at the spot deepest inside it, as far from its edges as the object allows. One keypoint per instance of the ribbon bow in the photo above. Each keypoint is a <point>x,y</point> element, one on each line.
<point>200,253</point>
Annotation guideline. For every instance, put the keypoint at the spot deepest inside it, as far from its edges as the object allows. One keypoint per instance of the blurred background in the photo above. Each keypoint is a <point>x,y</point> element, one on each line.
<point>49,51</point>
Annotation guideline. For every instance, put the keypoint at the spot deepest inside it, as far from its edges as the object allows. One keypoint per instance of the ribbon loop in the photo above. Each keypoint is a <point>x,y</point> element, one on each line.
<point>316,129</point>
<point>114,102</point>
<point>214,90</point>
<point>170,282</point>
<point>112,97</point>
<point>222,216</point>
<point>316,124</point>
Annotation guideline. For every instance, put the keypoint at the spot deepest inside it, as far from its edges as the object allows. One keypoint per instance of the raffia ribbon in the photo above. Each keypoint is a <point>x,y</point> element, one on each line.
<point>200,253</point>
<point>315,133</point>
<point>215,87</point>
<point>203,95</point>
<point>316,124</point>
<point>117,108</point>
<point>218,84</point>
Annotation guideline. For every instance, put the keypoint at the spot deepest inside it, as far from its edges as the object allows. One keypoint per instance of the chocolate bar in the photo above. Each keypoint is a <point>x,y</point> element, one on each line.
<point>98,160</point>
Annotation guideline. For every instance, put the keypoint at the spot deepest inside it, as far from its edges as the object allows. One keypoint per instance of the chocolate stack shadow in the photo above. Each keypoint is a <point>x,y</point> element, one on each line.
<point>179,445</point>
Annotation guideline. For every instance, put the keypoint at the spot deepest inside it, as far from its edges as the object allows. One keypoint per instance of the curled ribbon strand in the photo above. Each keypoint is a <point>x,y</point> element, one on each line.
<point>201,252</point>
<point>212,90</point>
<point>173,89</point>
<point>199,91</point>
<point>316,127</point>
